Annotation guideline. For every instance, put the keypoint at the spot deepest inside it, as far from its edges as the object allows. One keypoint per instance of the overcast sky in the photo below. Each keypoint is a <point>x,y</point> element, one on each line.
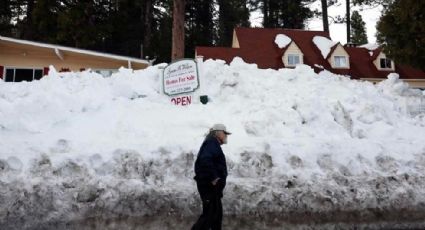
<point>337,31</point>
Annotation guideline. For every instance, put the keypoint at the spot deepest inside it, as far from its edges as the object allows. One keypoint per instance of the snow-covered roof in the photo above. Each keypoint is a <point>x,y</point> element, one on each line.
<point>370,47</point>
<point>75,50</point>
<point>251,40</point>
<point>324,45</point>
<point>282,40</point>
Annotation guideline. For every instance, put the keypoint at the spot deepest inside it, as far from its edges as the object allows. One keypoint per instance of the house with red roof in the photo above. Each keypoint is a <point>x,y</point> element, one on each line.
<point>286,48</point>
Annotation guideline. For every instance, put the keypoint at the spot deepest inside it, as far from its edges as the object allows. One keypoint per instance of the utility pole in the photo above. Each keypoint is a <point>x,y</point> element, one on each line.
<point>325,15</point>
<point>348,22</point>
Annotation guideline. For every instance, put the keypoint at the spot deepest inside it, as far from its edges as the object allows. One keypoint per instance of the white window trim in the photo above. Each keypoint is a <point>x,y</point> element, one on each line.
<point>5,68</point>
<point>294,54</point>
<point>285,59</point>
<point>347,66</point>
<point>379,63</point>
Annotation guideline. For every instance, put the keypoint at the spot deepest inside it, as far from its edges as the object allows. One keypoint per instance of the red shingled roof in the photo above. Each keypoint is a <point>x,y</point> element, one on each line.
<point>361,64</point>
<point>408,72</point>
<point>261,41</point>
<point>257,46</point>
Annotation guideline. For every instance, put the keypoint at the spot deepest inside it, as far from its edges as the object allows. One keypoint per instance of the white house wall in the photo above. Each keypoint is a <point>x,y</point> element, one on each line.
<point>377,62</point>
<point>292,49</point>
<point>339,51</point>
<point>235,42</point>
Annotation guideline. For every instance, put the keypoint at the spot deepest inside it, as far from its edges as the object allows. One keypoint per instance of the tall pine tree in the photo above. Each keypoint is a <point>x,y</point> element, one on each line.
<point>45,17</point>
<point>358,30</point>
<point>17,7</point>
<point>285,13</point>
<point>401,31</point>
<point>28,31</point>
<point>232,13</point>
<point>161,37</point>
<point>125,28</point>
<point>5,18</point>
<point>81,23</point>
<point>373,3</point>
<point>200,25</point>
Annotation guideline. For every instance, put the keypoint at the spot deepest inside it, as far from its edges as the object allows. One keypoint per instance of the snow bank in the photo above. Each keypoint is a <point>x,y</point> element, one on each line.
<point>77,145</point>
<point>282,40</point>
<point>324,45</point>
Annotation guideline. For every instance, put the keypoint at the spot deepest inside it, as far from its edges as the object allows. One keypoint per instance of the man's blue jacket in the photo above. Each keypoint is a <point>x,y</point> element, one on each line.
<point>211,162</point>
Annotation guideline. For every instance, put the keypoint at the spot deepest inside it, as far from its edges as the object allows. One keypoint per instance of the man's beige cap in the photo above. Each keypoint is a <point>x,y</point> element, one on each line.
<point>220,127</point>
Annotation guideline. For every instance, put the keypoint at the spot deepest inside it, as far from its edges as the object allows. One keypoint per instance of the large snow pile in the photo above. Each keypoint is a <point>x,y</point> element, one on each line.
<point>304,145</point>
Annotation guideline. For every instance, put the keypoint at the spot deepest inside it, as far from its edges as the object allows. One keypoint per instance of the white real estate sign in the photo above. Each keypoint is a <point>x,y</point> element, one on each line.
<point>181,77</point>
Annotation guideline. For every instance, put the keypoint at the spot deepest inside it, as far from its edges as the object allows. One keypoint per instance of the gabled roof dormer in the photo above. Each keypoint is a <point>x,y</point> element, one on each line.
<point>333,52</point>
<point>383,63</point>
<point>338,57</point>
<point>292,55</point>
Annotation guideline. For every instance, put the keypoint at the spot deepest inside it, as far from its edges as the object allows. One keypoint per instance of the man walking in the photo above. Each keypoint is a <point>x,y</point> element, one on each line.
<point>210,176</point>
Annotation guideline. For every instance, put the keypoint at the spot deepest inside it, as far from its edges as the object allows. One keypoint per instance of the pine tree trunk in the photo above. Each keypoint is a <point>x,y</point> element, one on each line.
<point>147,27</point>
<point>266,14</point>
<point>222,25</point>
<point>178,29</point>
<point>325,15</point>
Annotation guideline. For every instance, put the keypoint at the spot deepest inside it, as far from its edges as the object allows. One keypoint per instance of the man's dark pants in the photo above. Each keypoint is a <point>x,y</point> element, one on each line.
<point>212,210</point>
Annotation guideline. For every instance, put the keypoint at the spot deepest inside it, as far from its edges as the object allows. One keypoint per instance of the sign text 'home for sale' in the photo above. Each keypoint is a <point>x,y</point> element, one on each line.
<point>181,78</point>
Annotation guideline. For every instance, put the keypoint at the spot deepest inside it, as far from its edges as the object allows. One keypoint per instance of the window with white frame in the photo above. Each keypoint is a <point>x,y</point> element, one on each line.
<point>294,59</point>
<point>22,74</point>
<point>385,63</point>
<point>340,61</point>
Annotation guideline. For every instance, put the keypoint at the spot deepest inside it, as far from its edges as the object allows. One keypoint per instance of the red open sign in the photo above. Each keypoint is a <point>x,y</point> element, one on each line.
<point>183,100</point>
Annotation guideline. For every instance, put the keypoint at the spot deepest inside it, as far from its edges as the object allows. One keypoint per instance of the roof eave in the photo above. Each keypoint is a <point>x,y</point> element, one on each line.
<point>75,50</point>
